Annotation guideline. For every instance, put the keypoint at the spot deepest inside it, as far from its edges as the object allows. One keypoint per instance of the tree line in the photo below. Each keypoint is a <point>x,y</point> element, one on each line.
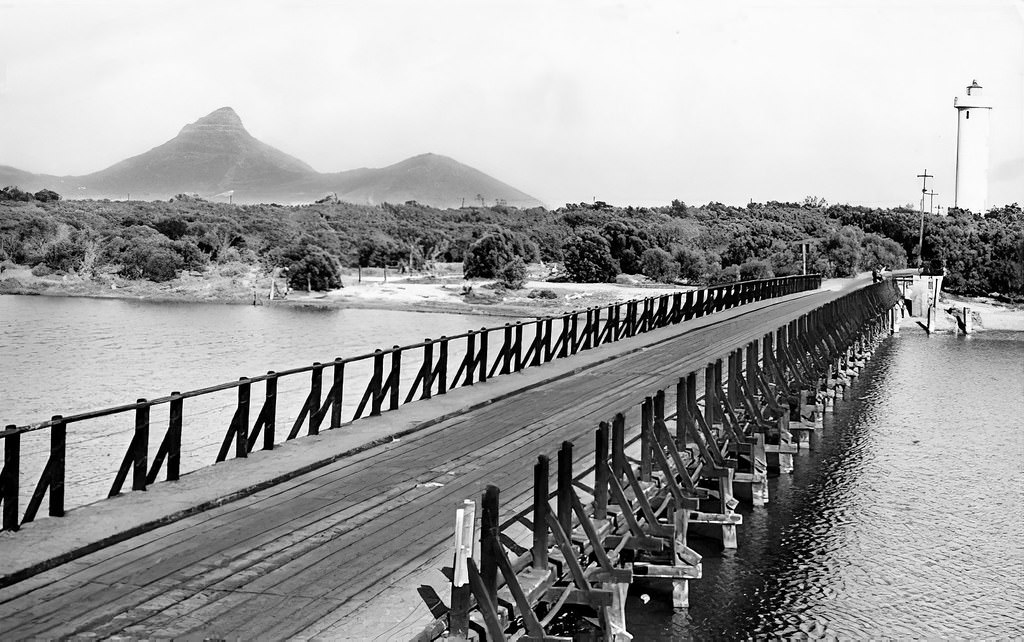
<point>588,242</point>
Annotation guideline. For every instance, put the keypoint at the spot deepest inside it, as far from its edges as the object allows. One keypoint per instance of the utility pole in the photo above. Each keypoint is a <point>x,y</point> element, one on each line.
<point>931,200</point>
<point>920,237</point>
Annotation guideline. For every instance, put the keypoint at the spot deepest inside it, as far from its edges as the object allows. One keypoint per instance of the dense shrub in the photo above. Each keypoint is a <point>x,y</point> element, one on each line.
<point>693,262</point>
<point>513,274</point>
<point>494,251</point>
<point>754,269</point>
<point>46,196</point>
<point>64,255</point>
<point>311,268</point>
<point>659,265</point>
<point>588,259</point>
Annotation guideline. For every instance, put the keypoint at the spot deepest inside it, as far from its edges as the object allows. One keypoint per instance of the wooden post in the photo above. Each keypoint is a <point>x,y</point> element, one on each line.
<point>242,428</point>
<point>709,395</point>
<point>140,446</point>
<point>517,362</point>
<point>646,428</point>
<point>719,414</point>
<point>482,354</point>
<point>338,384</point>
<point>58,447</point>
<point>601,472</point>
<point>174,438</point>
<point>618,445</point>
<point>270,410</point>
<point>506,351</point>
<point>751,369</point>
<point>395,377</point>
<point>541,476</point>
<point>377,381</point>
<point>489,537</point>
<point>9,482</point>
<point>564,487</point>
<point>537,357</point>
<point>442,365</point>
<point>462,593</point>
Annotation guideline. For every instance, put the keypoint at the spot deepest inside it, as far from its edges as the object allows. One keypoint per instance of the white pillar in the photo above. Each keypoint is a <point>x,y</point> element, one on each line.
<point>972,150</point>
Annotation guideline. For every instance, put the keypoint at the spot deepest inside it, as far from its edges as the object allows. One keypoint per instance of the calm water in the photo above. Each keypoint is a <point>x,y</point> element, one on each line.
<point>68,355</point>
<point>905,523</point>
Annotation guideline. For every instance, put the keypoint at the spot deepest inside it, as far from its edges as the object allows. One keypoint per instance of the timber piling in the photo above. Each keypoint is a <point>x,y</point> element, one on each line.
<point>627,518</point>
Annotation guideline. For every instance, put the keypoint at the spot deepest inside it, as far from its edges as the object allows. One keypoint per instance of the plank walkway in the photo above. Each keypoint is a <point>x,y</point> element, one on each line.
<point>337,553</point>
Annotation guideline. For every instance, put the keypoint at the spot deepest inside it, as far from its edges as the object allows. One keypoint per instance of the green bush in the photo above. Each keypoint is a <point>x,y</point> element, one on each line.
<point>588,259</point>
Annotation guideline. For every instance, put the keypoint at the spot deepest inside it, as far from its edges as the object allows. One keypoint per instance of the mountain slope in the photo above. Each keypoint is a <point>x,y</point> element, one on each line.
<point>430,179</point>
<point>211,155</point>
<point>216,154</point>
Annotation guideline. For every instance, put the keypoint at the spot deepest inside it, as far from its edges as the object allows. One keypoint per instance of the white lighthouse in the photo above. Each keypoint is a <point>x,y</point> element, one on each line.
<point>972,112</point>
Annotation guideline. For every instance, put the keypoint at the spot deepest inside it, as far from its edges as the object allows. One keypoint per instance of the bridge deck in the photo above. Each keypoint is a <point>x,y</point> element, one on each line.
<point>338,552</point>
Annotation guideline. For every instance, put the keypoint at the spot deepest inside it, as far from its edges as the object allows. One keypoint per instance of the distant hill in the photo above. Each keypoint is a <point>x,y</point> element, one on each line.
<point>216,154</point>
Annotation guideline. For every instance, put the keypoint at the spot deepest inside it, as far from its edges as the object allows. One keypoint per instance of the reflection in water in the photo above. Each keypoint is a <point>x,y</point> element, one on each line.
<point>904,523</point>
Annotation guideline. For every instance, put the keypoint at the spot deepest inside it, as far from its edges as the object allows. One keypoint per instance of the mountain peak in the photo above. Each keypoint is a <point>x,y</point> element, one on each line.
<point>220,120</point>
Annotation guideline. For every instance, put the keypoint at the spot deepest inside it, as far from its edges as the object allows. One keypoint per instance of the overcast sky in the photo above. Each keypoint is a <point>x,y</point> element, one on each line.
<point>633,102</point>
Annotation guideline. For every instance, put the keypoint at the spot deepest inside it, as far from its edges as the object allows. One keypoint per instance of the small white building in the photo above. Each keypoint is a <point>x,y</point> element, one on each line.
<point>972,132</point>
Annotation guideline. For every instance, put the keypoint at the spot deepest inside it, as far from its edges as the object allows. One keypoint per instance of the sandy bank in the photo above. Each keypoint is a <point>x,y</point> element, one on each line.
<point>988,314</point>
<point>241,284</point>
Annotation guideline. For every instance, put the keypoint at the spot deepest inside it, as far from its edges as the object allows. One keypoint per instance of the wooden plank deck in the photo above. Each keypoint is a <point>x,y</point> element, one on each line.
<point>338,553</point>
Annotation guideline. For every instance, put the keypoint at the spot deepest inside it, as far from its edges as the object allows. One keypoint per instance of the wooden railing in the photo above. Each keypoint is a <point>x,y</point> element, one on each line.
<point>473,357</point>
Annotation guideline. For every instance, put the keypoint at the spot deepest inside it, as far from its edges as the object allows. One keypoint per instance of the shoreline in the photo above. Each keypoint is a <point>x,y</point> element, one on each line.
<point>445,293</point>
<point>426,293</point>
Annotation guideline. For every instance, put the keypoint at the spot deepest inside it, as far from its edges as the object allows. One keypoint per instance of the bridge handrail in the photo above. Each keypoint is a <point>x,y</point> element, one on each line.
<point>382,392</point>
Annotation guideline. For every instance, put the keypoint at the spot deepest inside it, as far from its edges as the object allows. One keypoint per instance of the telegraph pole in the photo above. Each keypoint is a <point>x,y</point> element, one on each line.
<point>920,237</point>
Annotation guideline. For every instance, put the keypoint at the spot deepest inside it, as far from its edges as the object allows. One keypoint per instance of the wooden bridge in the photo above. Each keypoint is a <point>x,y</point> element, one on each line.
<point>663,412</point>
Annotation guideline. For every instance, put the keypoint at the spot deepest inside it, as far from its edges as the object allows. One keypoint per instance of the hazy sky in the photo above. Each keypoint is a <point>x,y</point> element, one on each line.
<point>633,102</point>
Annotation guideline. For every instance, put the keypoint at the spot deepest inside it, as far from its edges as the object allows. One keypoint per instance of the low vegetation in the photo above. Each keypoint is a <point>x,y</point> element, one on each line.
<point>591,242</point>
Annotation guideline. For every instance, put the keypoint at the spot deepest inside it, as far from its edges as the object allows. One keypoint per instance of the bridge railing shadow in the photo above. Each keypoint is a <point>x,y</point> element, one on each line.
<point>282,405</point>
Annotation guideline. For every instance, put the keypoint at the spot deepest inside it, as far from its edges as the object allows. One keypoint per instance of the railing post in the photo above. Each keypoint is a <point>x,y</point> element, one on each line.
<point>58,450</point>
<point>395,378</point>
<point>596,328</point>
<point>174,437</point>
<point>315,388</point>
<point>270,408</point>
<point>506,352</point>
<point>242,429</point>
<point>428,368</point>
<point>538,343</point>
<point>564,349</point>
<point>140,447</point>
<point>483,354</point>
<point>517,348</point>
<point>540,513</point>
<point>338,385</point>
<point>11,475</point>
<point>442,365</point>
<point>565,486</point>
<point>574,332</point>
<point>376,382</point>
